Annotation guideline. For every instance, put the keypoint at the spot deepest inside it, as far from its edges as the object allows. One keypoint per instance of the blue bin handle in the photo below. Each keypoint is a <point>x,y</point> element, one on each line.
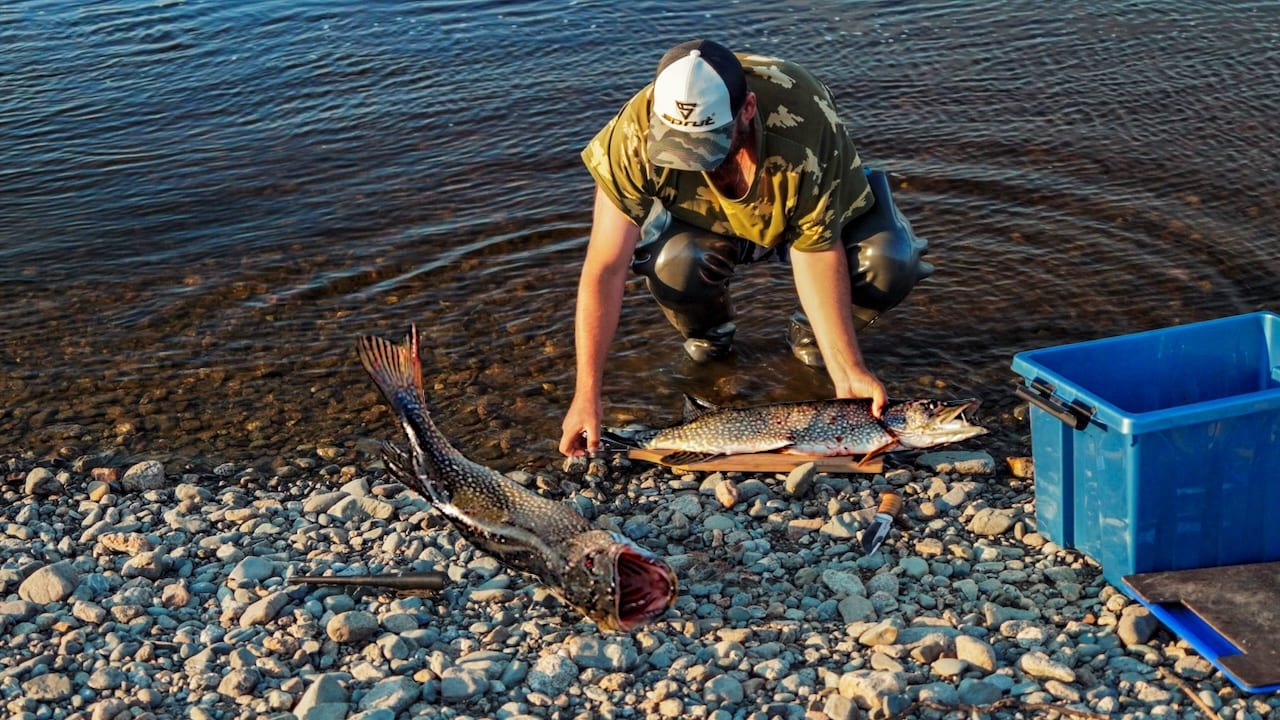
<point>1040,393</point>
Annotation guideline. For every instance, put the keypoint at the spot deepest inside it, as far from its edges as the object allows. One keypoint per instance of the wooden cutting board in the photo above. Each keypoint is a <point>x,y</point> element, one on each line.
<point>1211,607</point>
<point>767,462</point>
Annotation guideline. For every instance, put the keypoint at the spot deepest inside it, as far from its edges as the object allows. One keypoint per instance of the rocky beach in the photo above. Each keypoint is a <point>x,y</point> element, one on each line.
<point>143,590</point>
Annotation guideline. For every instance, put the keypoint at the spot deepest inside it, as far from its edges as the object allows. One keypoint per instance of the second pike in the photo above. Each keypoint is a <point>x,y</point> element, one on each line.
<point>604,575</point>
<point>823,428</point>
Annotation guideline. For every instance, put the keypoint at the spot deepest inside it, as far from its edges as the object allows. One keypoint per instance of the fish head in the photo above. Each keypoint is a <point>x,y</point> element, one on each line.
<point>926,423</point>
<point>615,582</point>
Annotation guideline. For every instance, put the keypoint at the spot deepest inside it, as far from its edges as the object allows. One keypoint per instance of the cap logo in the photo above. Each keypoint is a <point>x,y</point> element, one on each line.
<point>685,108</point>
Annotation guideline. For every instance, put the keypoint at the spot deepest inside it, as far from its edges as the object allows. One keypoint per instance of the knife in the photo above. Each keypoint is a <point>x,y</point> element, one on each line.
<point>408,583</point>
<point>882,523</point>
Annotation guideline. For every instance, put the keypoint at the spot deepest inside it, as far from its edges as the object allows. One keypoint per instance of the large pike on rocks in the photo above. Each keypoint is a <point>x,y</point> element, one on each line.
<point>823,428</point>
<point>604,575</point>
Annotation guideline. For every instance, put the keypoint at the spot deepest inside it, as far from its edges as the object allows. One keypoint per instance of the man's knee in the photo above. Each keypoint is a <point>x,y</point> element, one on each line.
<point>885,257</point>
<point>686,264</point>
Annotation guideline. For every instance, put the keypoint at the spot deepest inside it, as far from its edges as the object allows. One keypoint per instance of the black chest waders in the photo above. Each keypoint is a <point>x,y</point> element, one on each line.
<point>688,271</point>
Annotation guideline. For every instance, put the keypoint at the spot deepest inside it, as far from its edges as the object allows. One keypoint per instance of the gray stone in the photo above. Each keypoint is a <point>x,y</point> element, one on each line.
<point>144,476</point>
<point>352,626</point>
<point>839,707</point>
<point>150,565</point>
<point>884,632</point>
<point>844,525</point>
<point>50,687</point>
<point>1136,625</point>
<point>41,482</point>
<point>238,682</point>
<point>856,608</point>
<point>253,569</point>
<point>800,480</point>
<point>551,675</point>
<point>1037,664</point>
<point>978,692</point>
<point>723,689</point>
<point>264,610</point>
<point>325,691</point>
<point>976,652</point>
<point>320,503</point>
<point>608,653</point>
<point>948,667</point>
<point>871,688</point>
<point>843,582</point>
<point>50,584</point>
<point>991,522</point>
<point>395,694</point>
<point>965,463</point>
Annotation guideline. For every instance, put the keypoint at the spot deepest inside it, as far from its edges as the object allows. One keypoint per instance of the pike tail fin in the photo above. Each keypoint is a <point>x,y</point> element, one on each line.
<point>397,371</point>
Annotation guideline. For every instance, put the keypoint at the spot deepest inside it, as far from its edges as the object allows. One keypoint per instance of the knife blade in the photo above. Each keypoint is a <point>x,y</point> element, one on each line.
<point>875,533</point>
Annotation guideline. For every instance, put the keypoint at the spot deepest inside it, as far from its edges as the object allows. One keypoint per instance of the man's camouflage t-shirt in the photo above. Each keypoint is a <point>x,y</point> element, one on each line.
<point>809,182</point>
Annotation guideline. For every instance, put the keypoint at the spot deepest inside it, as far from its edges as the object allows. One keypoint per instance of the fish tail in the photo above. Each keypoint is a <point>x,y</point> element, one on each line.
<point>397,371</point>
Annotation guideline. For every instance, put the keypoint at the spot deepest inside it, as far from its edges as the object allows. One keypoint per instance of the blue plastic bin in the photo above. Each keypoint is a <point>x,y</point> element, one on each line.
<point>1160,450</point>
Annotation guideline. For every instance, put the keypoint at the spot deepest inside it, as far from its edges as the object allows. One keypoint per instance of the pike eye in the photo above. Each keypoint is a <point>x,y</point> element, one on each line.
<point>589,562</point>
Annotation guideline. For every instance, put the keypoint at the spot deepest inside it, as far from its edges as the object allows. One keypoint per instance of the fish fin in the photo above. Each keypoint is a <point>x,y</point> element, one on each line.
<point>892,444</point>
<point>395,369</point>
<point>399,465</point>
<point>695,407</point>
<point>687,457</point>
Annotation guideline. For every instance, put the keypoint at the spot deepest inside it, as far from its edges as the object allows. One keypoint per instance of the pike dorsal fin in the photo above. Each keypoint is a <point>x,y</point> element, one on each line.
<point>695,407</point>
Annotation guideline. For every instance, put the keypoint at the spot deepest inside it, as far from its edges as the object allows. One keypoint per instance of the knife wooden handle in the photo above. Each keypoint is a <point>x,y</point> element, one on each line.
<point>890,503</point>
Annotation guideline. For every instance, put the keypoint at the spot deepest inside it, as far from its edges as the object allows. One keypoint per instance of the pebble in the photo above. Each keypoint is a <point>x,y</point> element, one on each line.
<point>144,476</point>
<point>352,626</point>
<point>169,600</point>
<point>1136,625</point>
<point>49,584</point>
<point>990,522</point>
<point>1037,664</point>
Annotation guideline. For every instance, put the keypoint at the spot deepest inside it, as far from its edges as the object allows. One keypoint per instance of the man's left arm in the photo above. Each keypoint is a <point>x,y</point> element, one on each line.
<point>822,284</point>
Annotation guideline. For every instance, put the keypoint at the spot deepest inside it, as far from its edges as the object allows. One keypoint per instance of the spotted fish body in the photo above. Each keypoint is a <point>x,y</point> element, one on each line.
<point>823,428</point>
<point>605,576</point>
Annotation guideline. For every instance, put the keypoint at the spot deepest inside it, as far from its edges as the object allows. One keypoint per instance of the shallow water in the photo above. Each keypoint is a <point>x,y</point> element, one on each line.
<point>203,205</point>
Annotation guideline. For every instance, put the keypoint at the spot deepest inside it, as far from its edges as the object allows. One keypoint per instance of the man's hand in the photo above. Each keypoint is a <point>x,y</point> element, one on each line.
<point>860,383</point>
<point>580,431</point>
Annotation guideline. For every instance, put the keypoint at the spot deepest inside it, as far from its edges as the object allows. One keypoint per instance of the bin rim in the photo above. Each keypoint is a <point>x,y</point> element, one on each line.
<point>1129,422</point>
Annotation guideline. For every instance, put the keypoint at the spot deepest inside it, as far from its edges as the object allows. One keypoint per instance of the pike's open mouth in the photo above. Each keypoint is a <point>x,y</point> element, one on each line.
<point>954,414</point>
<point>646,588</point>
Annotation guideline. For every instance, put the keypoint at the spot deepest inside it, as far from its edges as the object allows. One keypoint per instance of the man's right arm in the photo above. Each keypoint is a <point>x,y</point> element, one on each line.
<point>604,274</point>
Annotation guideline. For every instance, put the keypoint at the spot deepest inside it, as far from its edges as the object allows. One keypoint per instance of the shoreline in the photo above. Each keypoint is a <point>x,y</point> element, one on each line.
<point>161,592</point>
